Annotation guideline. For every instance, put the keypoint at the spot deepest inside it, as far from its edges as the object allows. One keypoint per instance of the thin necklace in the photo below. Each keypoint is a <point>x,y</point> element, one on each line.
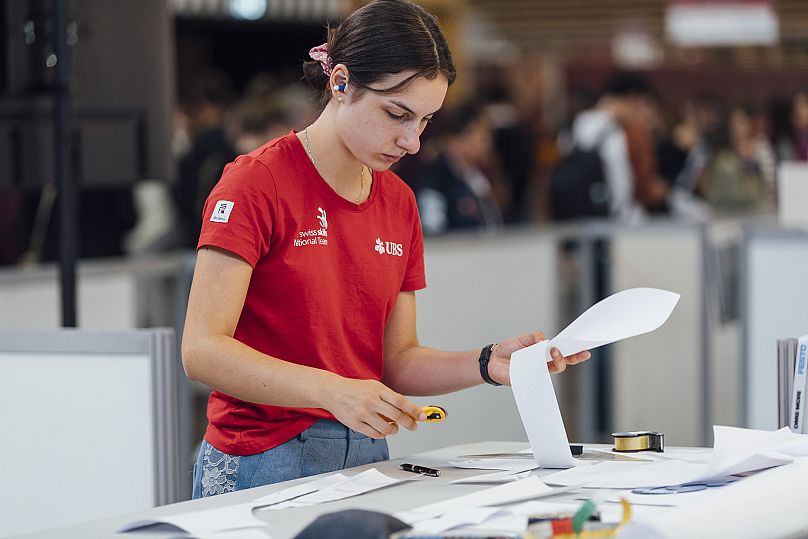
<point>313,162</point>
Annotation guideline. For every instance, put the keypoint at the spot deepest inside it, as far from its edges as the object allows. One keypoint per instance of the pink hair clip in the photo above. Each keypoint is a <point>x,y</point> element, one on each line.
<point>320,54</point>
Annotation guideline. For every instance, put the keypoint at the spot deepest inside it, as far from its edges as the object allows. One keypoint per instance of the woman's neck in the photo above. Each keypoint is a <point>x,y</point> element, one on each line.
<point>335,163</point>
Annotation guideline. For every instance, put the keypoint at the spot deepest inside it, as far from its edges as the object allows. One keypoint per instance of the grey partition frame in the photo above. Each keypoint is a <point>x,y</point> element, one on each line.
<point>157,346</point>
<point>774,304</point>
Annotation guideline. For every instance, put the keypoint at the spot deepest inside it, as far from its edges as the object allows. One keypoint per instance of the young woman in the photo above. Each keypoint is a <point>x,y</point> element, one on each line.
<point>302,310</point>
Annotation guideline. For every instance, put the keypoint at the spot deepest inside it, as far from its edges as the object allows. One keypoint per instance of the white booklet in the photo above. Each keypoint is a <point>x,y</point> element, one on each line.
<point>796,421</point>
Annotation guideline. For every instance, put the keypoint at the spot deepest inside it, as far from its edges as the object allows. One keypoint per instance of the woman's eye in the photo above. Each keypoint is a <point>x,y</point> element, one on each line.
<point>395,116</point>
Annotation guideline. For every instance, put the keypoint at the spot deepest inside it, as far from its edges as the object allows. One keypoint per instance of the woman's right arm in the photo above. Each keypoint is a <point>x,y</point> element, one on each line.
<point>212,356</point>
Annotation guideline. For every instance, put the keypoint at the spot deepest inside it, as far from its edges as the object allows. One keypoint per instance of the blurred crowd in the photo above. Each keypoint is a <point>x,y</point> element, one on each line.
<point>486,163</point>
<point>503,158</point>
<point>213,125</point>
<point>623,155</point>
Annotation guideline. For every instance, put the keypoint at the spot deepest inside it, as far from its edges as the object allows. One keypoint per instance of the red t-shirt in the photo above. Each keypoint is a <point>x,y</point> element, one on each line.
<point>326,274</point>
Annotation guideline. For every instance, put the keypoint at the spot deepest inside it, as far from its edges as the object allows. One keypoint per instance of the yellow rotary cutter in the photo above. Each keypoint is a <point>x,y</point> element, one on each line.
<point>434,414</point>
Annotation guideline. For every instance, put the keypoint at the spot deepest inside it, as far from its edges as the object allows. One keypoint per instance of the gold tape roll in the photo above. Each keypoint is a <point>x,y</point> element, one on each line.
<point>639,441</point>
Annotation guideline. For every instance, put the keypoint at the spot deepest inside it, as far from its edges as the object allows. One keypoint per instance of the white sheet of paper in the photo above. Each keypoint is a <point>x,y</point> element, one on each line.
<point>502,523</point>
<point>460,517</point>
<point>768,504</point>
<point>205,522</point>
<point>242,533</point>
<point>743,450</point>
<point>625,314</point>
<point>513,465</point>
<point>669,500</point>
<point>496,477</point>
<point>522,489</point>
<point>535,507</point>
<point>300,490</point>
<point>697,455</point>
<point>622,315</point>
<point>509,518</point>
<point>627,475</point>
<point>538,407</point>
<point>366,481</point>
<point>736,451</point>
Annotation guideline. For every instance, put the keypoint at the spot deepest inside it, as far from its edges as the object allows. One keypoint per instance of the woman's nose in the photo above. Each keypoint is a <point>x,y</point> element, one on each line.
<point>409,140</point>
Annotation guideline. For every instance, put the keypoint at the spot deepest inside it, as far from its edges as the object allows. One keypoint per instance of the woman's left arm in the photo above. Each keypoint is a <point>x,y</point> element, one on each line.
<point>412,369</point>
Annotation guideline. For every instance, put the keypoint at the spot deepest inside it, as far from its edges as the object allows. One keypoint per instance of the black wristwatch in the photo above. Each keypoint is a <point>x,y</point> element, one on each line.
<point>485,357</point>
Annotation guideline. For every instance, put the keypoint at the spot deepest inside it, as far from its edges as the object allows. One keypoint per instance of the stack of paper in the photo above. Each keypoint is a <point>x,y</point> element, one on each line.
<point>737,451</point>
<point>238,522</point>
<point>523,489</point>
<point>330,489</point>
<point>768,504</point>
<point>231,521</point>
<point>496,477</point>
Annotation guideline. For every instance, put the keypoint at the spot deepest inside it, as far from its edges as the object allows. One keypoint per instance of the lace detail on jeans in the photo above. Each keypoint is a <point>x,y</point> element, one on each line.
<point>218,472</point>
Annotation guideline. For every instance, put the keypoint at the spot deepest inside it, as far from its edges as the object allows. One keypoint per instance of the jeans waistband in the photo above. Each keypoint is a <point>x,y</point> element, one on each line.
<point>326,428</point>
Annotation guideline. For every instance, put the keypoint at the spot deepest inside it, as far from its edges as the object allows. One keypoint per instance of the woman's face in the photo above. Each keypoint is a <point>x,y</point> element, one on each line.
<point>380,128</point>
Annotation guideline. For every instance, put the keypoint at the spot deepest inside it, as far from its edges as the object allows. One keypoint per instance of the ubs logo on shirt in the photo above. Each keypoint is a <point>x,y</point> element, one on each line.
<point>314,236</point>
<point>388,247</point>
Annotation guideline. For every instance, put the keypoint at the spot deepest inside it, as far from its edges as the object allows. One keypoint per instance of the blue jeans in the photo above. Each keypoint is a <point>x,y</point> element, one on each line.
<point>326,446</point>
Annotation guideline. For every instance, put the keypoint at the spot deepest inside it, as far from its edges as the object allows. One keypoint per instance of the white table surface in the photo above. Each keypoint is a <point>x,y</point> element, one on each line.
<point>286,523</point>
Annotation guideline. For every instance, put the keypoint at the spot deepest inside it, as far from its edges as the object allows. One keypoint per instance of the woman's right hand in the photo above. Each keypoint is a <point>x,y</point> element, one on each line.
<point>370,407</point>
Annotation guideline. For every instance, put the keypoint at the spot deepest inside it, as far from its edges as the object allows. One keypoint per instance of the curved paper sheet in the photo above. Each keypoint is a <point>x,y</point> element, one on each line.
<point>538,407</point>
<point>625,314</point>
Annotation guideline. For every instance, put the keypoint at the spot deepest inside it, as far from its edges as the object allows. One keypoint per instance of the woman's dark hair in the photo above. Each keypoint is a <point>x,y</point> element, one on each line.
<point>382,38</point>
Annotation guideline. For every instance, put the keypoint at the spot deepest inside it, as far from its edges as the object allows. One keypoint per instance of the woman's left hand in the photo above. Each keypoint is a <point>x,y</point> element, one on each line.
<point>500,363</point>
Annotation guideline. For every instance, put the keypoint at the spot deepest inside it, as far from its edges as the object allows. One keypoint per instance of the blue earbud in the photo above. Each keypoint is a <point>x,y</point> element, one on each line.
<point>339,87</point>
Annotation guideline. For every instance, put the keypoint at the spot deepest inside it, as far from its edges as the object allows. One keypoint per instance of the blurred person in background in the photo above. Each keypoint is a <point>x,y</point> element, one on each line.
<point>302,310</point>
<point>513,137</point>
<point>733,182</point>
<point>455,191</point>
<point>696,134</point>
<point>619,129</point>
<point>643,127</point>
<point>255,121</point>
<point>684,150</point>
<point>764,151</point>
<point>201,118</point>
<point>790,128</point>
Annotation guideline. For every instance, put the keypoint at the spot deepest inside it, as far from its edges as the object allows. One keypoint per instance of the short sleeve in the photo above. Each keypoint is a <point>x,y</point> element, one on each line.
<point>414,277</point>
<point>240,211</point>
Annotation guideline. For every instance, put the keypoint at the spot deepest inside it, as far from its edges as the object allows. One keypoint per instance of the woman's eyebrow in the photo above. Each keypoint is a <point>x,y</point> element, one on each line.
<point>401,105</point>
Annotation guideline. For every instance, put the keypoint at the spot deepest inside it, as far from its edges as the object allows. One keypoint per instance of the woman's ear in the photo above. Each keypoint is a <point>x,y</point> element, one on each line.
<point>339,81</point>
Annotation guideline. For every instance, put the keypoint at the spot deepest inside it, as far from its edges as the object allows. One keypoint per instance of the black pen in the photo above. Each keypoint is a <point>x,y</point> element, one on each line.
<point>432,472</point>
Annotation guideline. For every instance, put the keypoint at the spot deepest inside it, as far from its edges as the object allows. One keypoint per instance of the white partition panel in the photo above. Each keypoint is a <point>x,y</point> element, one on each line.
<point>102,302</point>
<point>774,292</point>
<point>110,293</point>
<point>481,290</point>
<point>89,423</point>
<point>659,378</point>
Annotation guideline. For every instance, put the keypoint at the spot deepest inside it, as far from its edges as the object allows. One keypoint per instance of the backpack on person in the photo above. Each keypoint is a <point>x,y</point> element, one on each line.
<point>578,185</point>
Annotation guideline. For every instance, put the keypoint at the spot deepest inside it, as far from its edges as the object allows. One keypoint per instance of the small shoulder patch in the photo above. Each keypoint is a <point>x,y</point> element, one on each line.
<point>221,211</point>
